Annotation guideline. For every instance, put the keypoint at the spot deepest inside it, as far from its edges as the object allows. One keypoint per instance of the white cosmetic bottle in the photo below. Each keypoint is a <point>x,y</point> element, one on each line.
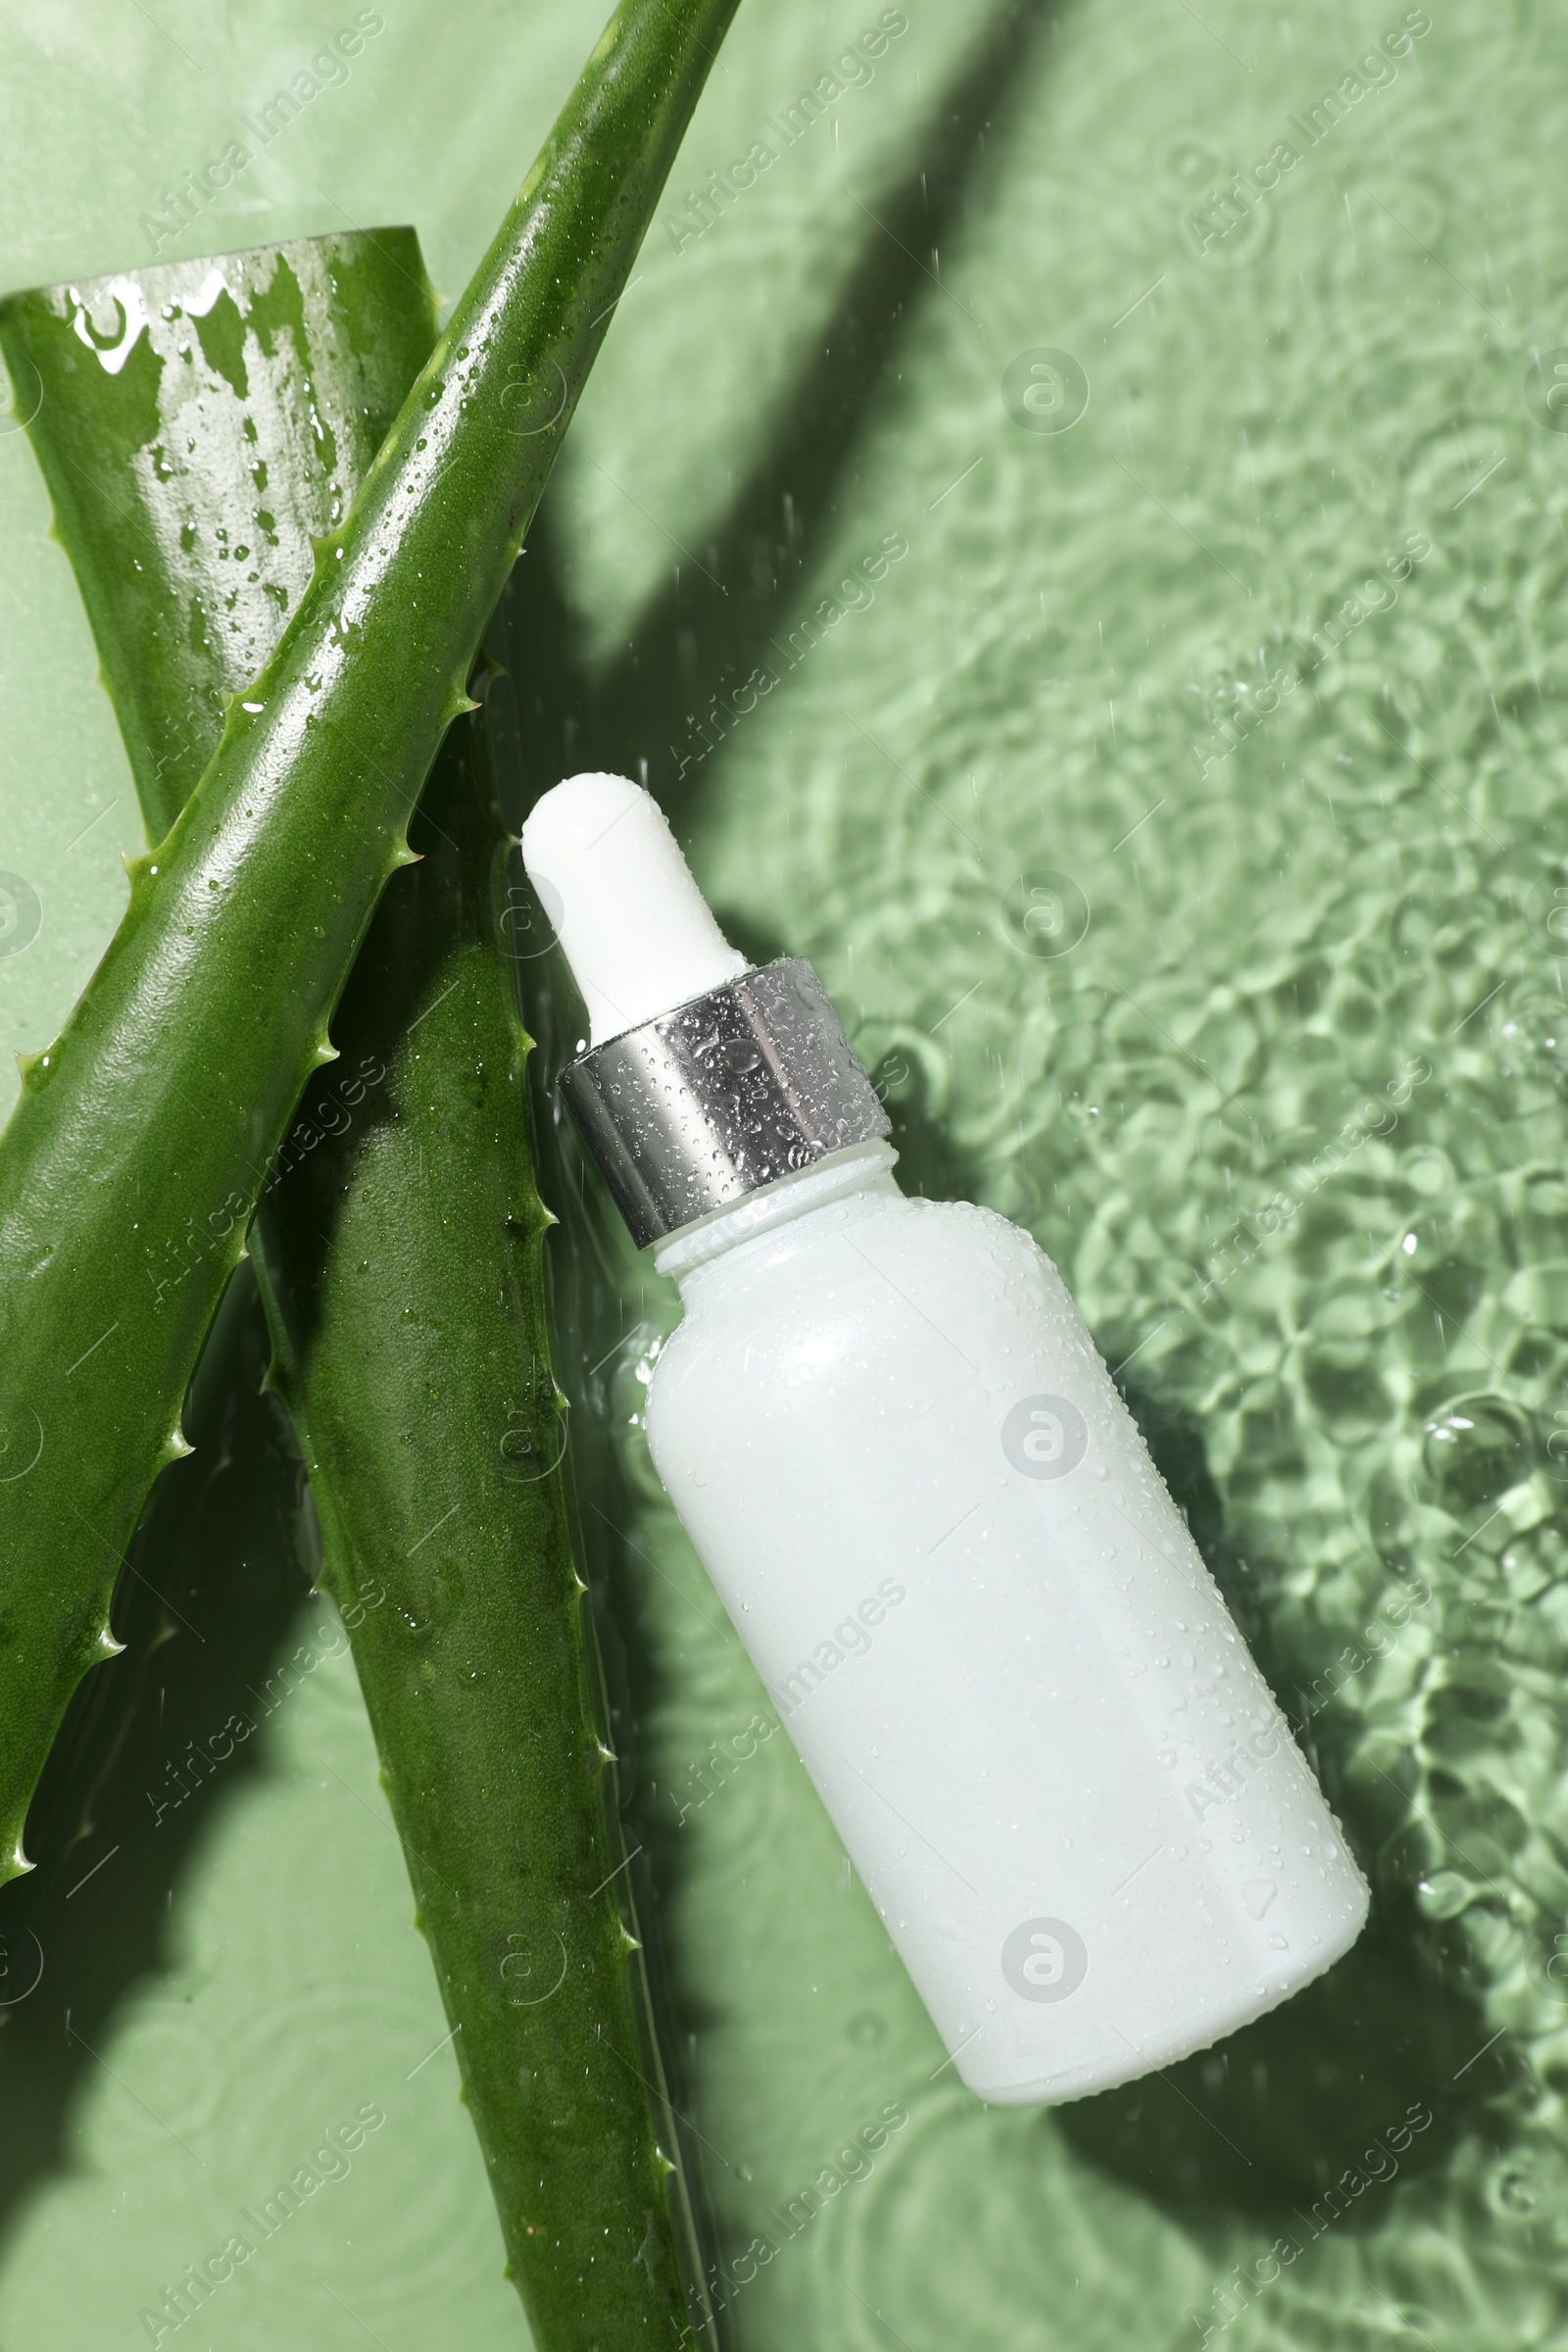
<point>1075,1804</point>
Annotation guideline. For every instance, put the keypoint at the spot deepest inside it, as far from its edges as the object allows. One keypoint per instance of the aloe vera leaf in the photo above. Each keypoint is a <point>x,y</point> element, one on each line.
<point>276,373</point>
<point>400,1248</point>
<point>141,1137</point>
<point>403,1267</point>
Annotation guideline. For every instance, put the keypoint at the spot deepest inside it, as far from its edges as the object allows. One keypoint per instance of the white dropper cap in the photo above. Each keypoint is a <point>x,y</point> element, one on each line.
<point>636,928</point>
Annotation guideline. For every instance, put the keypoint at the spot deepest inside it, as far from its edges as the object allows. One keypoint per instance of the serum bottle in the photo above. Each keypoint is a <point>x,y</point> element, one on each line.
<point>1090,1833</point>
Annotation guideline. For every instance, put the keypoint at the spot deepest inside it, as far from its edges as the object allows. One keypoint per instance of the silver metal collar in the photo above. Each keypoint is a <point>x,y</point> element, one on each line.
<point>696,1109</point>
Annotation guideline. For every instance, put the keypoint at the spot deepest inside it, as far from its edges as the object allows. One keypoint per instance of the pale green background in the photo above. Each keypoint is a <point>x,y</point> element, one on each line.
<point>1370,878</point>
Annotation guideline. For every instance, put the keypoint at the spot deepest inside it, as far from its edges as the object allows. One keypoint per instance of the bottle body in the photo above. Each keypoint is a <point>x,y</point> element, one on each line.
<point>1066,1785</point>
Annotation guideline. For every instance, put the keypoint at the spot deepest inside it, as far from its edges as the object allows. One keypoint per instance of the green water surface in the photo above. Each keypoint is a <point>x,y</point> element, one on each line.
<point>1175,821</point>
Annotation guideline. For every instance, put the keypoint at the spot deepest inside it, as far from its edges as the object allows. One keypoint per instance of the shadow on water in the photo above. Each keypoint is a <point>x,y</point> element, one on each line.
<point>212,1587</point>
<point>1264,2124</point>
<point>718,617</point>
